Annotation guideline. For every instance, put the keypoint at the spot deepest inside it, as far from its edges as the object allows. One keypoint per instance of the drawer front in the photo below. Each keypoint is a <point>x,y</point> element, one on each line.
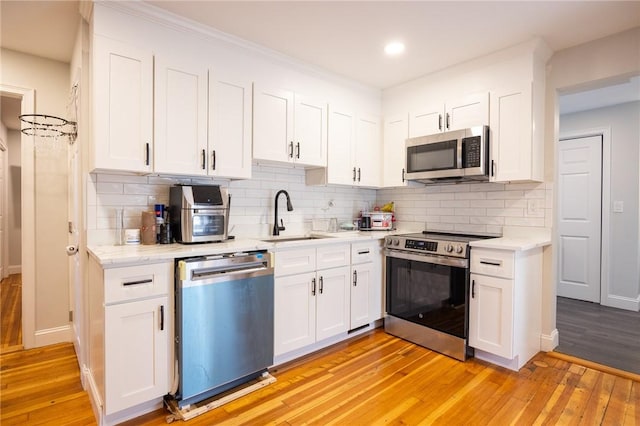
<point>137,282</point>
<point>296,261</point>
<point>362,252</point>
<point>333,256</point>
<point>496,263</point>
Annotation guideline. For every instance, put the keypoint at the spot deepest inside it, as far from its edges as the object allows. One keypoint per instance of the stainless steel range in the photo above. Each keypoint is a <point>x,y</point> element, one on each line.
<point>427,290</point>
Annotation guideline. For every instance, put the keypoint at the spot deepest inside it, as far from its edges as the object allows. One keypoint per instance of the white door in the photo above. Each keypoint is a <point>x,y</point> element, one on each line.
<point>426,121</point>
<point>579,217</point>
<point>295,312</point>
<point>361,280</point>
<point>468,111</point>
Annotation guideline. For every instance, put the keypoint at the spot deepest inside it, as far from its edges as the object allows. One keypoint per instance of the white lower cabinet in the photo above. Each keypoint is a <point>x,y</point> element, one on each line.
<point>130,327</point>
<point>313,305</point>
<point>136,356</point>
<point>323,292</point>
<point>505,305</point>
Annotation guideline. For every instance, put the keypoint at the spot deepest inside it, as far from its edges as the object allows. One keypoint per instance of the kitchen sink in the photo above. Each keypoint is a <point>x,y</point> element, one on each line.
<point>287,239</point>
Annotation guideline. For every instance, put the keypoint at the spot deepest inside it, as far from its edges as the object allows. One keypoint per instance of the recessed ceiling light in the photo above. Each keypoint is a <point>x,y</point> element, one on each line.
<point>394,48</point>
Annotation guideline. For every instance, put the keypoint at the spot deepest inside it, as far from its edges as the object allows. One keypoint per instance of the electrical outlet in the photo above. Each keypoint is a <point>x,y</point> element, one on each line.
<point>618,206</point>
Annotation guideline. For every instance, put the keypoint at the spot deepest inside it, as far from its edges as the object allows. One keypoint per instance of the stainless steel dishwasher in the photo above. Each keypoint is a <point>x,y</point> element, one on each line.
<point>224,322</point>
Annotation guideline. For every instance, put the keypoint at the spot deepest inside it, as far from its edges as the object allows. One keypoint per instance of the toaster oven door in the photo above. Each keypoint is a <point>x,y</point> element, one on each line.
<point>204,225</point>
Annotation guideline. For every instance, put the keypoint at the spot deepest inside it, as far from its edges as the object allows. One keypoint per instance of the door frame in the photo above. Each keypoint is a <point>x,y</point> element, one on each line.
<point>28,219</point>
<point>605,224</point>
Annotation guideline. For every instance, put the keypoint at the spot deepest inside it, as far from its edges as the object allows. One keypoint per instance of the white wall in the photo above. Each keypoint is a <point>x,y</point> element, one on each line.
<point>50,79</point>
<point>582,66</point>
<point>15,207</point>
<point>624,122</point>
<point>252,201</point>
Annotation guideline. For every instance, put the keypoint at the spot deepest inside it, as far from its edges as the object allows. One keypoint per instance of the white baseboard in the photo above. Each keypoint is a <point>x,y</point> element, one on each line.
<point>51,336</point>
<point>549,342</point>
<point>14,269</point>
<point>94,394</point>
<point>626,303</point>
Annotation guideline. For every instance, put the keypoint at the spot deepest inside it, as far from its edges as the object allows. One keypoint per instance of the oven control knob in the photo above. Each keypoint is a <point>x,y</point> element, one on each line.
<point>448,248</point>
<point>459,249</point>
<point>389,241</point>
<point>396,242</point>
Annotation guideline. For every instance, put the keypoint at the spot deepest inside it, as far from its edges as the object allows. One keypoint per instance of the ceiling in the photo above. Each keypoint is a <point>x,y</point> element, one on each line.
<point>348,37</point>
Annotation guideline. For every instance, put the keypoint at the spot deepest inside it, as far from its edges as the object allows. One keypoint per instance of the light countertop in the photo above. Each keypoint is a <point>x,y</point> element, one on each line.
<point>515,241</point>
<point>114,256</point>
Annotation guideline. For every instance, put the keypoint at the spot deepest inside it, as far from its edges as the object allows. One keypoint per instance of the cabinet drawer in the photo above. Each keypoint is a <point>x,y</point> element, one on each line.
<point>362,252</point>
<point>333,256</point>
<point>137,282</point>
<point>497,263</point>
<point>295,261</point>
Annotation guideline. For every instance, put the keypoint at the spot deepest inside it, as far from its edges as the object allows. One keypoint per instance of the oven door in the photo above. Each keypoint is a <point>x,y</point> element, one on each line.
<point>427,290</point>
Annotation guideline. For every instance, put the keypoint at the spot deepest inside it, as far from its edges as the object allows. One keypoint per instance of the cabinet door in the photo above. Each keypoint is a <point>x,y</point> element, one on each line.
<point>136,353</point>
<point>396,131</point>
<point>511,134</point>
<point>310,140</point>
<point>340,165</point>
<point>362,277</point>
<point>294,312</point>
<point>427,120</point>
<point>229,126</point>
<point>368,151</point>
<point>467,111</point>
<point>180,116</point>
<point>332,302</point>
<point>491,315</point>
<point>123,106</point>
<point>272,124</point>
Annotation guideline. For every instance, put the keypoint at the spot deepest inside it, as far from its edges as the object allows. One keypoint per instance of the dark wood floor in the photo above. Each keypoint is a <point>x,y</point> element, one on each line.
<point>600,334</point>
<point>11,313</point>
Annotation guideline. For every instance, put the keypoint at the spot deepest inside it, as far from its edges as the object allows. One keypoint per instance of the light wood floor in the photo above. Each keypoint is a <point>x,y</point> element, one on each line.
<point>373,379</point>
<point>11,313</point>
<point>380,379</point>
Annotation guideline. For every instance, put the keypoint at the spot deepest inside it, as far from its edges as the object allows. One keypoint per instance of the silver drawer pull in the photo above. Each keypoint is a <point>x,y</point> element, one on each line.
<point>147,281</point>
<point>494,263</point>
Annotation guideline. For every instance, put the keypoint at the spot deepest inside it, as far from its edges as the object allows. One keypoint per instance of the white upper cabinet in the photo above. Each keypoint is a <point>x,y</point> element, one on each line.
<point>454,114</point>
<point>367,155</point>
<point>180,116</point>
<point>354,150</point>
<point>288,127</point>
<point>122,95</point>
<point>396,132</point>
<point>342,137</point>
<point>229,126</point>
<point>516,139</point>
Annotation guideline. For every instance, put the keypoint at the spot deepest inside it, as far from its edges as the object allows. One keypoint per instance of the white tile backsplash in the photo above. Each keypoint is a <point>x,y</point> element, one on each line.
<point>468,207</point>
<point>472,207</point>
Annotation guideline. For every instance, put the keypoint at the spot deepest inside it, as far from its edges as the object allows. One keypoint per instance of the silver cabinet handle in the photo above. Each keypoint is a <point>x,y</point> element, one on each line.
<point>439,121</point>
<point>473,289</point>
<point>147,155</point>
<point>321,284</point>
<point>448,121</point>
<point>204,159</point>
<point>354,174</point>
<point>213,159</point>
<point>355,278</point>
<point>313,287</point>
<point>358,174</point>
<point>298,150</point>
<point>291,149</point>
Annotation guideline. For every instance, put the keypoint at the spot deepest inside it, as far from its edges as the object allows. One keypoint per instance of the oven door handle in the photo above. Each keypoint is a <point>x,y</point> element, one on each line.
<point>426,258</point>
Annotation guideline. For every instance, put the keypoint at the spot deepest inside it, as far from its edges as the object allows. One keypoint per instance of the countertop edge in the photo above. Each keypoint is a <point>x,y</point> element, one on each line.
<point>512,243</point>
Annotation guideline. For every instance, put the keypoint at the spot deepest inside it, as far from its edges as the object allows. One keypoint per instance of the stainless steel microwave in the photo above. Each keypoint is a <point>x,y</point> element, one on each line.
<point>459,155</point>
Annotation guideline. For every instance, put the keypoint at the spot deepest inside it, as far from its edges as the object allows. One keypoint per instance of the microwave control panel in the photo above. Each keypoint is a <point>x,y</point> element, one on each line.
<point>471,151</point>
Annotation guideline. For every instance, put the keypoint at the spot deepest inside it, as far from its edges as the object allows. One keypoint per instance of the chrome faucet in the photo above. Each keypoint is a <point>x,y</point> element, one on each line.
<point>277,228</point>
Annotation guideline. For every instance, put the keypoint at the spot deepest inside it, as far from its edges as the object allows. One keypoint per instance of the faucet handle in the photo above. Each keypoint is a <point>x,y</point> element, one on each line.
<point>282,228</point>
